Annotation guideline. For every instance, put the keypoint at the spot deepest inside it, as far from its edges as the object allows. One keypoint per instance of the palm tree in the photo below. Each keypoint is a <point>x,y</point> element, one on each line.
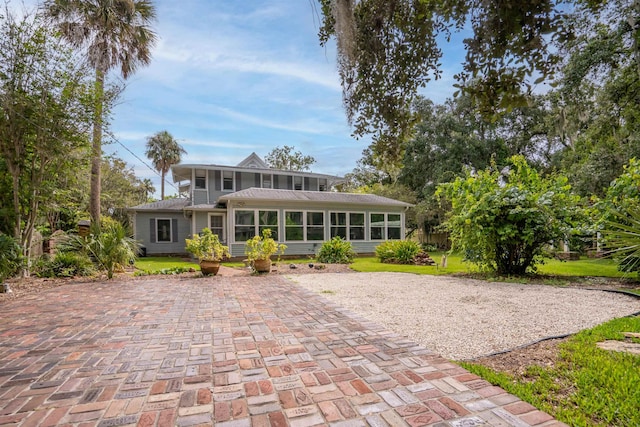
<point>114,33</point>
<point>164,151</point>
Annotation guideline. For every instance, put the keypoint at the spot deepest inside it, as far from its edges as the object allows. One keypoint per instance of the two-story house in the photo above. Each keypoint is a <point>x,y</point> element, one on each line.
<point>238,202</point>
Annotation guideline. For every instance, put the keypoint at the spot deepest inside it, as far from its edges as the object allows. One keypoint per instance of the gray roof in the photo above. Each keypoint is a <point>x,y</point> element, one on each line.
<point>163,205</point>
<point>312,196</point>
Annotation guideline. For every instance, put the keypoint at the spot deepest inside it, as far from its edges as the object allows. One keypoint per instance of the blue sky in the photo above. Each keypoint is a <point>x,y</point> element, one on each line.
<point>229,78</point>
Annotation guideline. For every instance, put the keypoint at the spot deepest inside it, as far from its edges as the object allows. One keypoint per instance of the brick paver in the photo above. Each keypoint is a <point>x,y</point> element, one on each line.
<point>229,351</point>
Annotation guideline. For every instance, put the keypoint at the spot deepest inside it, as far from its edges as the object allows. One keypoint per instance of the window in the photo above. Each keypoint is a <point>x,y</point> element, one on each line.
<point>377,226</point>
<point>294,226</point>
<point>227,180</point>
<point>201,179</point>
<point>297,183</point>
<point>248,223</point>
<point>163,230</point>
<point>385,226</point>
<point>356,226</point>
<point>269,219</point>
<point>216,225</point>
<point>394,226</point>
<point>339,225</point>
<point>315,226</point>
<point>244,225</point>
<point>322,185</point>
<point>266,181</point>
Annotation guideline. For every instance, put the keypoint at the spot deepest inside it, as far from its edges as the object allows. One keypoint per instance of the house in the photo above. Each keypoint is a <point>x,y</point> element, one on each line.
<point>238,202</point>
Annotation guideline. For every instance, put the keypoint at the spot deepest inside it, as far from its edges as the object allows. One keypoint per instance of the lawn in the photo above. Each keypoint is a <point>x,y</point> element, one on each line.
<point>597,267</point>
<point>588,386</point>
<point>155,264</point>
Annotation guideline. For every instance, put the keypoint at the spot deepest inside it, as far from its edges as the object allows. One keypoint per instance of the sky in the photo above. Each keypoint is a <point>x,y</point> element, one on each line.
<point>229,78</point>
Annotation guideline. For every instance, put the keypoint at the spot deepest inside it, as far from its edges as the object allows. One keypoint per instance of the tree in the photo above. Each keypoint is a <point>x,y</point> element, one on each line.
<point>502,219</point>
<point>286,159</point>
<point>45,110</point>
<point>113,33</point>
<point>164,151</point>
<point>389,49</point>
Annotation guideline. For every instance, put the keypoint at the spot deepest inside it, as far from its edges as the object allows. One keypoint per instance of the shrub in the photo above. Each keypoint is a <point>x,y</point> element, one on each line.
<point>10,257</point>
<point>503,219</point>
<point>397,251</point>
<point>65,264</point>
<point>110,249</point>
<point>336,251</point>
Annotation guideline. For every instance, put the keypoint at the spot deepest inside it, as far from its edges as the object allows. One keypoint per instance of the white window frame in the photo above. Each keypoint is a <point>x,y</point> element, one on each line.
<point>386,225</point>
<point>195,177</point>
<point>364,226</point>
<point>256,221</point>
<point>170,231</point>
<point>233,181</point>
<point>224,229</point>
<point>305,225</point>
<point>266,177</point>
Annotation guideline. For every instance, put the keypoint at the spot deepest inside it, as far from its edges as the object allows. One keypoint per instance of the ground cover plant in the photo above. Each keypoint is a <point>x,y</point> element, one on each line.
<point>586,385</point>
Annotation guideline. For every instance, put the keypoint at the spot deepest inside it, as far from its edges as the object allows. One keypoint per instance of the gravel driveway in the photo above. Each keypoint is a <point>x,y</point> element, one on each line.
<point>465,318</point>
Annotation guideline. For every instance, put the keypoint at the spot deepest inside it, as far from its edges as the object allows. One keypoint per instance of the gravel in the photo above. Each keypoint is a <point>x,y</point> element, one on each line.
<point>461,318</point>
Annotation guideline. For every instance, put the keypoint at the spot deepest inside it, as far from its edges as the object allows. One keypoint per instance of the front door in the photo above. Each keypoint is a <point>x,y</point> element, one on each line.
<point>216,224</point>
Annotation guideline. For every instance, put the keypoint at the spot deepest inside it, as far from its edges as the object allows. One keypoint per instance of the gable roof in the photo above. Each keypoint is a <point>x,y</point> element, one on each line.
<point>268,194</point>
<point>163,205</point>
<point>253,161</point>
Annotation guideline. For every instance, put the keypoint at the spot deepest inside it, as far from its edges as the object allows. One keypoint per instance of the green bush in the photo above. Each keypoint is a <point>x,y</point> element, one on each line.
<point>64,264</point>
<point>503,219</point>
<point>10,257</point>
<point>110,249</point>
<point>397,251</point>
<point>336,251</point>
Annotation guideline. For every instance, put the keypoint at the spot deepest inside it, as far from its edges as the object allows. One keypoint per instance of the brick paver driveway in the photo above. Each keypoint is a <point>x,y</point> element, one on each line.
<point>229,351</point>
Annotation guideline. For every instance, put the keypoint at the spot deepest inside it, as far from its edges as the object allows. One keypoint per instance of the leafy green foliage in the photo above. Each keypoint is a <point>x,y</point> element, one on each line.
<point>65,264</point>
<point>502,220</point>
<point>336,251</point>
<point>397,251</point>
<point>389,49</point>
<point>263,247</point>
<point>206,246</point>
<point>164,151</point>
<point>110,249</point>
<point>10,257</point>
<point>170,271</point>
<point>588,385</point>
<point>45,100</point>
<point>286,159</point>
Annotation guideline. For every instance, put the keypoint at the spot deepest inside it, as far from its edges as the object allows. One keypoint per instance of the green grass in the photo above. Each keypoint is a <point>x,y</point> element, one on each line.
<point>588,386</point>
<point>596,267</point>
<point>154,264</point>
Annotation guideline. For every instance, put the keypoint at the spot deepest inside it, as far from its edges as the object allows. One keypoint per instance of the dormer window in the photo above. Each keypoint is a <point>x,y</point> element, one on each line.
<point>201,179</point>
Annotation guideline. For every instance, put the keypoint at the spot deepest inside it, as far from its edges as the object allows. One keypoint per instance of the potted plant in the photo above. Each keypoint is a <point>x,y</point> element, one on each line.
<point>207,248</point>
<point>259,250</point>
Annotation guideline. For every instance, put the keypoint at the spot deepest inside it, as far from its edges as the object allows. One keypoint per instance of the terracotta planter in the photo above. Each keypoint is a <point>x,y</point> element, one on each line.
<point>262,265</point>
<point>209,267</point>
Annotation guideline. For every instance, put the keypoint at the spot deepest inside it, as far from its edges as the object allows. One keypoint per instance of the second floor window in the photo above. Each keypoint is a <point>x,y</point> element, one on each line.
<point>201,179</point>
<point>227,180</point>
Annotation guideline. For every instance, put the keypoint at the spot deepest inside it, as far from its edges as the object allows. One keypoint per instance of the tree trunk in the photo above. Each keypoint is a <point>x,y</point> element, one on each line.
<point>162,186</point>
<point>96,152</point>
